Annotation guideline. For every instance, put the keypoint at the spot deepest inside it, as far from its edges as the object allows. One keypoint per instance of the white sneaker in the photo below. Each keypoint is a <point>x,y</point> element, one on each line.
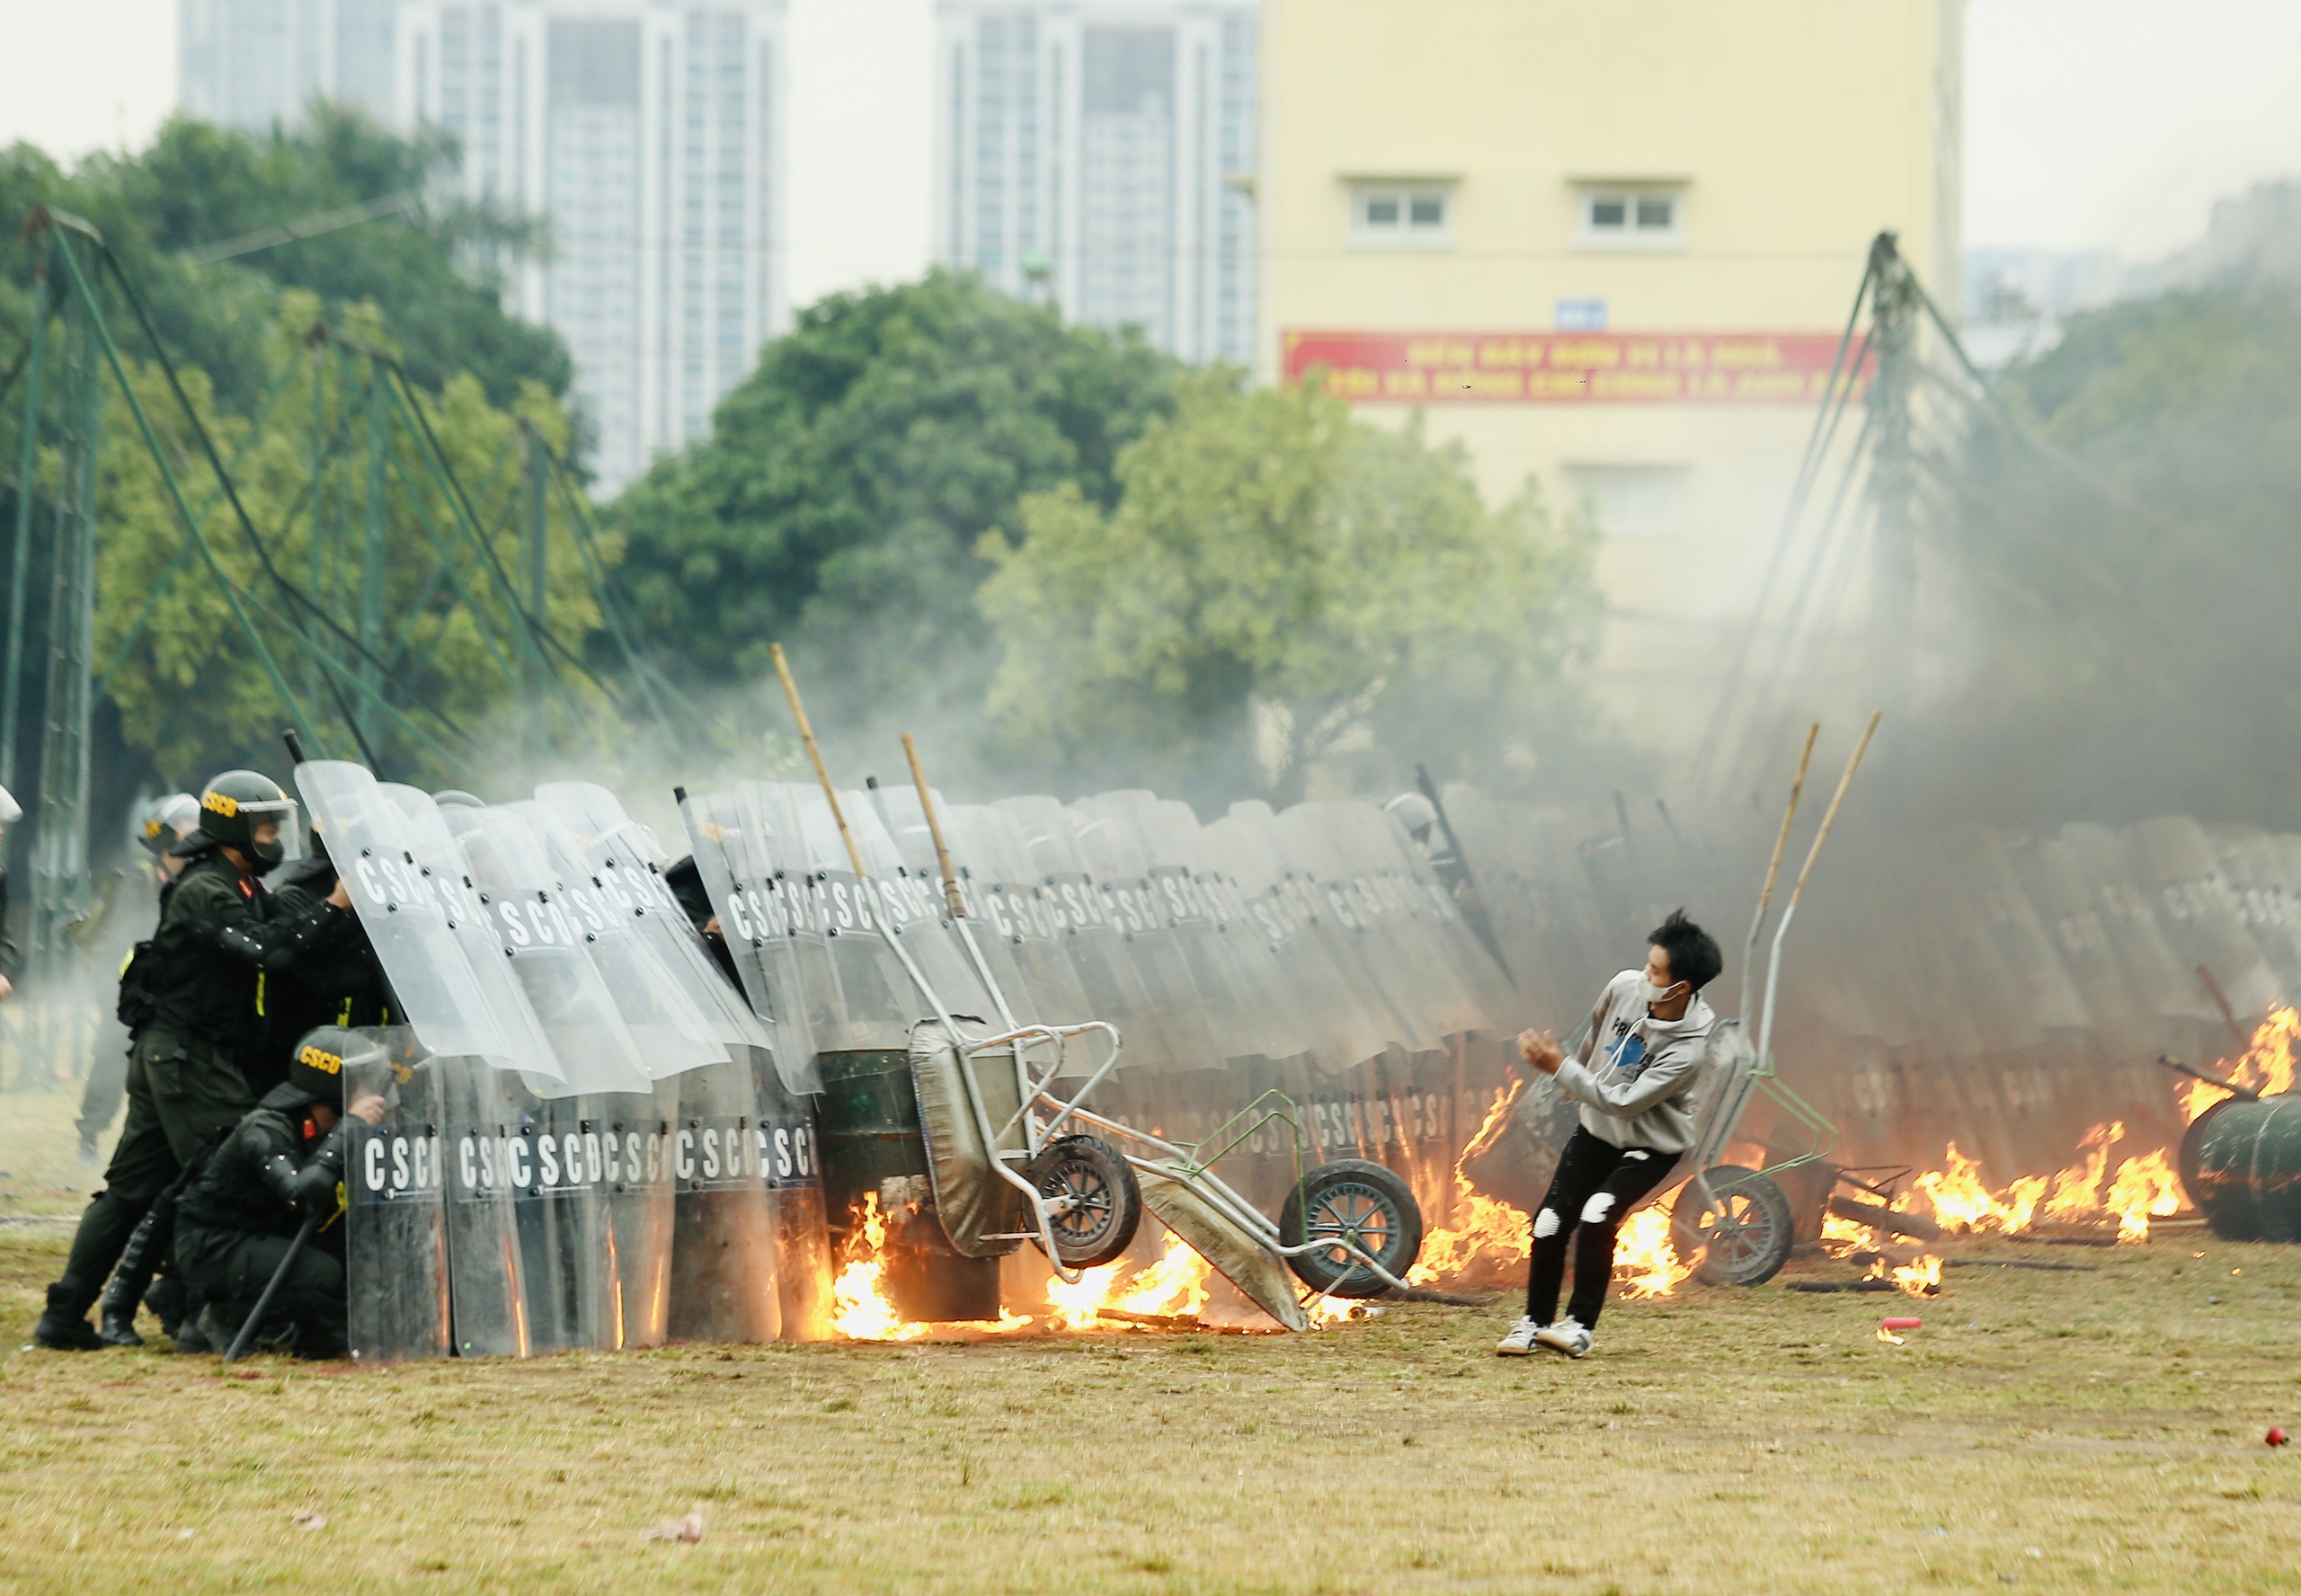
<point>1520,1342</point>
<point>1566,1336</point>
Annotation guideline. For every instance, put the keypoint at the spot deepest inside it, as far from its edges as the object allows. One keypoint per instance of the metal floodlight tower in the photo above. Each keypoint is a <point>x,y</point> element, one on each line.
<point>1894,301</point>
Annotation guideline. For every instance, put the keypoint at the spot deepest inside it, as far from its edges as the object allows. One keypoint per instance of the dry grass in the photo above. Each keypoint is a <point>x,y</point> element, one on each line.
<point>2058,1431</point>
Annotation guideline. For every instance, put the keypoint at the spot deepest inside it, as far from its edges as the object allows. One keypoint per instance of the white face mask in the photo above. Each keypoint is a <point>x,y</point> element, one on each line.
<point>1650,994</point>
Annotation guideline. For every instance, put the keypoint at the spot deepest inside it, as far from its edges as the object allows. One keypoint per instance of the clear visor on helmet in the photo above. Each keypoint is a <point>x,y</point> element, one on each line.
<point>289,814</point>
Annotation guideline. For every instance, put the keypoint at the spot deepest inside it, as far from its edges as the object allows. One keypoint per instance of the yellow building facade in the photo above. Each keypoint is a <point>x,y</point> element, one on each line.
<point>1609,243</point>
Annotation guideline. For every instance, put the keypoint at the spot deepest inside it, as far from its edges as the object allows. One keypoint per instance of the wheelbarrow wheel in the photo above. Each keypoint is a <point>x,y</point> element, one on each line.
<point>1748,1246</point>
<point>1106,1206</point>
<point>1360,1200</point>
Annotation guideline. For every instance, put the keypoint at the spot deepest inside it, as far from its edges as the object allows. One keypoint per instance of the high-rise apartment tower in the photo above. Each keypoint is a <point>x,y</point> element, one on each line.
<point>253,64</point>
<point>650,137</point>
<point>1101,154</point>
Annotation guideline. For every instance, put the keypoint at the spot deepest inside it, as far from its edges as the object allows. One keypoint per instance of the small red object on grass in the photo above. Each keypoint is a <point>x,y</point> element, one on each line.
<point>1902,1324</point>
<point>2276,1436</point>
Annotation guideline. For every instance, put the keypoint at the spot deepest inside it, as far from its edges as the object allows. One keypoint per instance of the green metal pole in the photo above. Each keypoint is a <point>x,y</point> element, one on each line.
<point>316,552</point>
<point>183,511</point>
<point>538,553</point>
<point>373,548</point>
<point>20,558</point>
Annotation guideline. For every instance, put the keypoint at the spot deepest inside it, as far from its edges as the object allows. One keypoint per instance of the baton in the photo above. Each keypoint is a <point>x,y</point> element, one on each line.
<point>272,1288</point>
<point>1481,926</point>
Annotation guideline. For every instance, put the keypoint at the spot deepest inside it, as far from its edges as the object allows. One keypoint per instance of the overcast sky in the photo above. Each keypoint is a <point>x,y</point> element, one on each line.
<point>2089,123</point>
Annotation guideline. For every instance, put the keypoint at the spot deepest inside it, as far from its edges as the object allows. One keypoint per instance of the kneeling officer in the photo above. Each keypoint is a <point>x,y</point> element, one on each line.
<point>281,1164</point>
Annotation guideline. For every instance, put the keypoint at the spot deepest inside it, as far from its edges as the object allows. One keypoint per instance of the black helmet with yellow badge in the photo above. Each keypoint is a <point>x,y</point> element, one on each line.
<point>237,803</point>
<point>326,1056</point>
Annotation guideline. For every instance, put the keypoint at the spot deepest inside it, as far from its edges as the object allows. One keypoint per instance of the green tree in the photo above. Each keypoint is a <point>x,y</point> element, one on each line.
<point>836,505</point>
<point>1279,584</point>
<point>435,272</point>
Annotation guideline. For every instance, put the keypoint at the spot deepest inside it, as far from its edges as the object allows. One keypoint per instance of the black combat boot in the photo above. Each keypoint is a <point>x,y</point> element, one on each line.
<point>64,1326</point>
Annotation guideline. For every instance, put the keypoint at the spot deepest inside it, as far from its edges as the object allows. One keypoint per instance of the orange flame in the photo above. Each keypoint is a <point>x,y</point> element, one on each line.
<point>860,1309</point>
<point>2145,1187</point>
<point>1919,1278</point>
<point>2268,1065</point>
<point>1175,1285</point>
<point>1643,1260</point>
<point>1490,1235</point>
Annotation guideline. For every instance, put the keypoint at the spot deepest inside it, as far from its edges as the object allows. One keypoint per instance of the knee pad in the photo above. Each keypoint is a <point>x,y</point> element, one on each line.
<point>1594,1211</point>
<point>1545,1224</point>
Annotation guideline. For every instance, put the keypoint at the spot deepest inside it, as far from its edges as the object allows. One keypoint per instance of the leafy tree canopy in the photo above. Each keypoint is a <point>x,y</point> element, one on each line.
<point>836,505</point>
<point>1278,585</point>
<point>433,272</point>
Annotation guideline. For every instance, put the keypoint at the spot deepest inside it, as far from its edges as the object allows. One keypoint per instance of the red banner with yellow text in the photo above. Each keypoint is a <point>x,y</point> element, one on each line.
<point>1567,368</point>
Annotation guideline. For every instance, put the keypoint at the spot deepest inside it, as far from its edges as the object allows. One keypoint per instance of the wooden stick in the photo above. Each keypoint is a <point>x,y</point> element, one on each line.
<point>1830,816</point>
<point>1781,843</point>
<point>951,894</point>
<point>807,736</point>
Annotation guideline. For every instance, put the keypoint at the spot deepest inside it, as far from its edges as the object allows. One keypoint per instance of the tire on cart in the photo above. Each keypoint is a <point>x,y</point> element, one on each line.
<point>1363,1201</point>
<point>1107,1203</point>
<point>1750,1244</point>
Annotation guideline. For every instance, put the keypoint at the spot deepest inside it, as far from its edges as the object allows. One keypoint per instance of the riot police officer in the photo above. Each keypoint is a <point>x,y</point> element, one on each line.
<point>281,1166</point>
<point>189,997</point>
<point>163,823</point>
<point>343,986</point>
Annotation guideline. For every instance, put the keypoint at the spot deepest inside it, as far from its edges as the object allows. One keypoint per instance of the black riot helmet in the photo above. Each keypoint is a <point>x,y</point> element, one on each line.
<point>235,802</point>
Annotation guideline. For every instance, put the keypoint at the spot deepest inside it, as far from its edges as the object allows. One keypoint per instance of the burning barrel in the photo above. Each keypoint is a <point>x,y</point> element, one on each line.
<point>2241,1165</point>
<point>870,1144</point>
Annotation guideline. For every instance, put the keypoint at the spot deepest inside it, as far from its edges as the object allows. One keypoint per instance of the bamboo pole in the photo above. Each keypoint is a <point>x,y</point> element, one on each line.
<point>1773,867</point>
<point>807,736</point>
<point>951,894</point>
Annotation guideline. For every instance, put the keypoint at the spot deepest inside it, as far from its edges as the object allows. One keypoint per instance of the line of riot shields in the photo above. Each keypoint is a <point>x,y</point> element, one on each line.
<point>597,1140</point>
<point>589,1143</point>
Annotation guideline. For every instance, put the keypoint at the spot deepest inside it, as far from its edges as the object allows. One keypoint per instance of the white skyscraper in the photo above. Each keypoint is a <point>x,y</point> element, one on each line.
<point>253,63</point>
<point>1101,152</point>
<point>649,136</point>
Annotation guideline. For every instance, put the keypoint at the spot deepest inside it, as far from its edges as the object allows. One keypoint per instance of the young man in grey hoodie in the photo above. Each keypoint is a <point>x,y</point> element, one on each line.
<point>1634,1078</point>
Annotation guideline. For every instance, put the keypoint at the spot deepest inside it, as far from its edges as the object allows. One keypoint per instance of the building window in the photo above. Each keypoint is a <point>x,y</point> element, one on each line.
<point>1648,216</point>
<point>1393,216</point>
<point>1627,502</point>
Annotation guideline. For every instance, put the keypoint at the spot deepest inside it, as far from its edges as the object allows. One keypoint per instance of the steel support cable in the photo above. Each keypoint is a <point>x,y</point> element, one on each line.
<point>1824,432</point>
<point>175,493</point>
<point>223,476</point>
<point>182,556</point>
<point>336,667</point>
<point>466,516</point>
<point>437,460</point>
<point>650,680</point>
<point>455,574</point>
<point>1787,633</point>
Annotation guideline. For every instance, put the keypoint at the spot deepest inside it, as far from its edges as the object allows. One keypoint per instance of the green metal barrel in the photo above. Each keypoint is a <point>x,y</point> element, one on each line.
<point>2241,1165</point>
<point>869,1140</point>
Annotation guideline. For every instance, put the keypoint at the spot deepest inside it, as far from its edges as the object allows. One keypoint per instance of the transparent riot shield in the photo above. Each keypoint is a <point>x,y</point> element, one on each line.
<point>1108,978</point>
<point>877,1000</point>
<point>1401,918</point>
<point>640,1187</point>
<point>723,1245</point>
<point>771,813</point>
<point>557,1157</point>
<point>1352,928</point>
<point>1271,998</point>
<point>664,1012</point>
<point>794,1183</point>
<point>1122,873</point>
<point>408,885</point>
<point>395,1227</point>
<point>627,868</point>
<point>1014,917</point>
<point>1183,909</point>
<point>486,1288</point>
<point>540,937</point>
<point>755,914</point>
<point>2199,909</point>
<point>1339,1004</point>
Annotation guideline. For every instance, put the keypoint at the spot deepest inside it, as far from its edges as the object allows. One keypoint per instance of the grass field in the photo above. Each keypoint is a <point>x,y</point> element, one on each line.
<point>2059,1431</point>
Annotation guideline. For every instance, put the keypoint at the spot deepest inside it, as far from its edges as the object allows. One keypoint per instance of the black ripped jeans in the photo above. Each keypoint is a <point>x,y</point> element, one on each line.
<point>1596,1184</point>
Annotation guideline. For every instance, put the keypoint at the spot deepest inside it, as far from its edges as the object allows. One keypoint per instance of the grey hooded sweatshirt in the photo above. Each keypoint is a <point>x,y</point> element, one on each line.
<point>1634,1076</point>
